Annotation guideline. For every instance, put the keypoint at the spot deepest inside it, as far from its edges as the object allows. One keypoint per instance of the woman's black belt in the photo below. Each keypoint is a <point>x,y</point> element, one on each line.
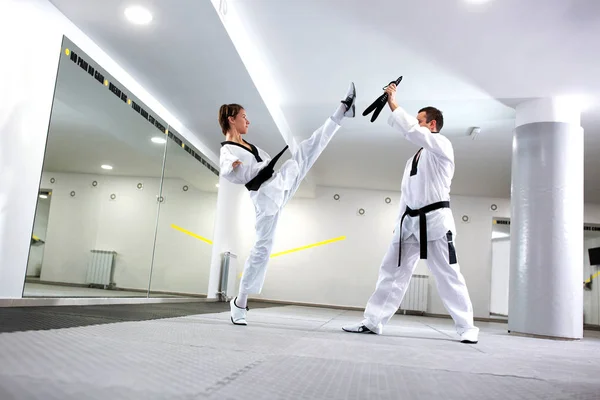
<point>264,174</point>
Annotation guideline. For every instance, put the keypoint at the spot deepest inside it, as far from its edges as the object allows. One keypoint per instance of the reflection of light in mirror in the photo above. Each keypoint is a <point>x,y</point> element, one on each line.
<point>138,15</point>
<point>499,235</point>
<point>159,140</point>
<point>108,167</point>
<point>43,196</point>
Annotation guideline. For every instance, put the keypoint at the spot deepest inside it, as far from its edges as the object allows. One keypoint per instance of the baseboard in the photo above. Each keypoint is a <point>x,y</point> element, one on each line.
<point>123,289</point>
<point>361,309</point>
<point>93,301</point>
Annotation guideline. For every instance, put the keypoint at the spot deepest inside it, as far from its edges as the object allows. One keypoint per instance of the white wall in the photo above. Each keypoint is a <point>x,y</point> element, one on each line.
<point>344,273</point>
<point>35,29</point>
<point>127,224</point>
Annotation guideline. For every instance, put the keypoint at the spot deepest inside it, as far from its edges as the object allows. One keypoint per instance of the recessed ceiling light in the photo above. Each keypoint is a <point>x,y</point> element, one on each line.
<point>159,140</point>
<point>107,167</point>
<point>138,15</point>
<point>581,102</point>
<point>43,196</point>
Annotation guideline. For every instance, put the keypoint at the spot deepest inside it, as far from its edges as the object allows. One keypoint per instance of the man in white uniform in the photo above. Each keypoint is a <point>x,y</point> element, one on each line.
<point>244,163</point>
<point>424,229</point>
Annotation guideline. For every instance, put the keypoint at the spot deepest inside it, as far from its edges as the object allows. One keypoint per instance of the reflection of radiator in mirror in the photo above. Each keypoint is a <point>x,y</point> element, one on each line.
<point>101,268</point>
<point>415,299</point>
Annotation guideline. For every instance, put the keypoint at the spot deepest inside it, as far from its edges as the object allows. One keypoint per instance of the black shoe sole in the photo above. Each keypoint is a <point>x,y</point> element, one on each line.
<point>237,323</point>
<point>367,331</point>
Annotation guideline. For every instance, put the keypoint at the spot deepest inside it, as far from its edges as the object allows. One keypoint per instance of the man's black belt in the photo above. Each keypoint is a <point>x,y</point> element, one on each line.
<point>264,174</point>
<point>421,213</point>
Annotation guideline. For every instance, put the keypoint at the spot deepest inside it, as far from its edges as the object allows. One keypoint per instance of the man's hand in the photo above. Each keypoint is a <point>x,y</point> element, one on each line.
<point>391,92</point>
<point>236,164</point>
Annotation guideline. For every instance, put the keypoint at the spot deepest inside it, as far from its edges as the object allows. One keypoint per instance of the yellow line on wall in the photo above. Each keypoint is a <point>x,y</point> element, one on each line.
<point>337,239</point>
<point>592,277</point>
<point>192,234</point>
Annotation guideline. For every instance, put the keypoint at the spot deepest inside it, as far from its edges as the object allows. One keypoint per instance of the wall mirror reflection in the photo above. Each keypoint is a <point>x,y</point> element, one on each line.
<point>185,224</point>
<point>501,271</point>
<point>95,229</point>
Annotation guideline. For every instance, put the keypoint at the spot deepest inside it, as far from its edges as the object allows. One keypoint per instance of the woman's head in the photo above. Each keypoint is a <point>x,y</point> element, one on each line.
<point>232,118</point>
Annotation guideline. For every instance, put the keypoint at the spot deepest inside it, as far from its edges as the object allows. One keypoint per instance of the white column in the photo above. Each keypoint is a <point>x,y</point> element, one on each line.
<point>546,293</point>
<point>227,234</point>
<point>31,48</point>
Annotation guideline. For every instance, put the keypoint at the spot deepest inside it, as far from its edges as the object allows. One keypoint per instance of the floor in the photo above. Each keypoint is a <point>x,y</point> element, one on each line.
<point>192,351</point>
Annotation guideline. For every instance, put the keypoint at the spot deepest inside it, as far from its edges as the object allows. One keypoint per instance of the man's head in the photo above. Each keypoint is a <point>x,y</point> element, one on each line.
<point>431,118</point>
<point>232,118</point>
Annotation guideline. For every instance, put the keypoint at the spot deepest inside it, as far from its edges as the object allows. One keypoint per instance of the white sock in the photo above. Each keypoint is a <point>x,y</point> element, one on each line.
<point>242,300</point>
<point>339,113</point>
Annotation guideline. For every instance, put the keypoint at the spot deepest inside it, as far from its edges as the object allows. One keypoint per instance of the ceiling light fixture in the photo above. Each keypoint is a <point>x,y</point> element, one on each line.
<point>159,140</point>
<point>138,15</point>
<point>217,185</point>
<point>43,196</point>
<point>581,102</point>
<point>108,167</point>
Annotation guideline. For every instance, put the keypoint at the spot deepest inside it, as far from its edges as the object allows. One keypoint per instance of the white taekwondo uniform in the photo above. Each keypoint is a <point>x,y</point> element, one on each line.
<point>273,194</point>
<point>426,181</point>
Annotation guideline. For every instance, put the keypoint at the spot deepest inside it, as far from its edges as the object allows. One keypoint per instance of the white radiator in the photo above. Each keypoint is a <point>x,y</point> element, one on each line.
<point>100,271</point>
<point>416,296</point>
<point>228,276</point>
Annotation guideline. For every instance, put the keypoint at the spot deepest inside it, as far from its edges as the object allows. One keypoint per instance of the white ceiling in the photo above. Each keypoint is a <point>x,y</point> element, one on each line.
<point>475,63</point>
<point>90,127</point>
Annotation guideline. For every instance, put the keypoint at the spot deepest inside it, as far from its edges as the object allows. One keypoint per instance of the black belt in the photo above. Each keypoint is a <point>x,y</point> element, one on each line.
<point>421,213</point>
<point>379,103</point>
<point>264,174</point>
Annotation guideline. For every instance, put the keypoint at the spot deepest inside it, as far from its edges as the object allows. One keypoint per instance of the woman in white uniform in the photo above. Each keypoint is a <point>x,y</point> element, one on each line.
<point>243,163</point>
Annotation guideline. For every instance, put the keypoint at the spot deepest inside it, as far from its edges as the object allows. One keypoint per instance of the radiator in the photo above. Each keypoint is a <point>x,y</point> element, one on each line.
<point>228,273</point>
<point>101,268</point>
<point>416,296</point>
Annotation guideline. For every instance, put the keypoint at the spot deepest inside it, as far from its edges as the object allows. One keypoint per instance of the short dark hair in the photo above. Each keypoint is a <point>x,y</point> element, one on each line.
<point>226,111</point>
<point>432,113</point>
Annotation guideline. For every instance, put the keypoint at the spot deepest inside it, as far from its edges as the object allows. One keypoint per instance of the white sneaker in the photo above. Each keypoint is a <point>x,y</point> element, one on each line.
<point>470,336</point>
<point>357,328</point>
<point>350,101</point>
<point>238,314</point>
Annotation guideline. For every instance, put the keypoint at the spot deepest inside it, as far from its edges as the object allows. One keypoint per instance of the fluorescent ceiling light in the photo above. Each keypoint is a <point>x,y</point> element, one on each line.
<point>581,102</point>
<point>159,140</point>
<point>43,196</point>
<point>138,15</point>
<point>107,167</point>
<point>499,235</point>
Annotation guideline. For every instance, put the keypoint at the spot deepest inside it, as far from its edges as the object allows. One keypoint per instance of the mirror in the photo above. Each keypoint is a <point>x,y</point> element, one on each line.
<point>501,271</point>
<point>95,232</point>
<point>500,268</point>
<point>591,275</point>
<point>185,224</point>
